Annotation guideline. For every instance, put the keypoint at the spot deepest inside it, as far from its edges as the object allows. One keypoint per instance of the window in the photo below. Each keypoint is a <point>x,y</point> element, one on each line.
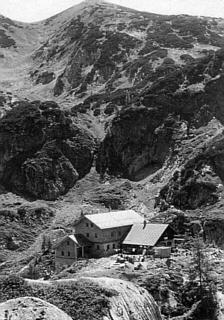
<point>87,235</point>
<point>67,243</point>
<point>68,253</point>
<point>62,253</point>
<point>119,233</point>
<point>112,234</point>
<point>87,224</point>
<point>108,247</point>
<point>114,246</point>
<point>96,236</point>
<point>91,225</point>
<point>98,247</point>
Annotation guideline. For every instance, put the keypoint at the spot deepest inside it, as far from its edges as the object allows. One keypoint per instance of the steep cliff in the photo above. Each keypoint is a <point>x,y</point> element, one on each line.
<point>138,138</point>
<point>42,152</point>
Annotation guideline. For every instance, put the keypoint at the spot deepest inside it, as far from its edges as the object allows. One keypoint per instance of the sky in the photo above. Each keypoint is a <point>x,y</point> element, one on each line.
<point>35,10</point>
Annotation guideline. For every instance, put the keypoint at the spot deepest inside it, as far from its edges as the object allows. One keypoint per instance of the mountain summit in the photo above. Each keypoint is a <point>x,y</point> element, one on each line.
<point>88,49</point>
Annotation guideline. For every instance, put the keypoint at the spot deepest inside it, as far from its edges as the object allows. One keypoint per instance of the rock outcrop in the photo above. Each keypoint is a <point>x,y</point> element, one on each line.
<point>213,230</point>
<point>30,308</point>
<point>49,173</point>
<point>198,181</point>
<point>130,302</point>
<point>45,77</point>
<point>42,152</point>
<point>107,298</point>
<point>138,138</point>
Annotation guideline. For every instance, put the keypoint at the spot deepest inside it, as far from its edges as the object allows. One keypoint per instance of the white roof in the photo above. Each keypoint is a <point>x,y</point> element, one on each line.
<point>147,235</point>
<point>115,219</point>
<point>78,239</point>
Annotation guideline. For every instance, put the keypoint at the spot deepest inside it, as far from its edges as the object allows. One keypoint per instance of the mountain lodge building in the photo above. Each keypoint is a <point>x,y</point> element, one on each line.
<point>98,235</point>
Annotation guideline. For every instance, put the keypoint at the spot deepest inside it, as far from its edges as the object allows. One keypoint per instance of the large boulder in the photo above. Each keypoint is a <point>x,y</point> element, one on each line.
<point>130,302</point>
<point>31,308</point>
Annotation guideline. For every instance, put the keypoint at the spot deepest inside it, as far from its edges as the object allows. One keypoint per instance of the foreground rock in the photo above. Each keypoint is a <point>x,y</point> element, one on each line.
<point>42,152</point>
<point>131,301</point>
<point>126,300</point>
<point>32,309</point>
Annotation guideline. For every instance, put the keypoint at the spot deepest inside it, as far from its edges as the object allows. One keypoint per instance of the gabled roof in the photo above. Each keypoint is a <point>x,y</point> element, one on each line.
<point>147,235</point>
<point>78,239</point>
<point>115,219</point>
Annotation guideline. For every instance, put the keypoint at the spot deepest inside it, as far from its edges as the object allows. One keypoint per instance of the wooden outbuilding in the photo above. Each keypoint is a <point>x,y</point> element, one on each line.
<point>70,248</point>
<point>147,236</point>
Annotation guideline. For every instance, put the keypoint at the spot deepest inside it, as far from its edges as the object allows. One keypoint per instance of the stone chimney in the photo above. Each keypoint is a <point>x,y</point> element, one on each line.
<point>82,213</point>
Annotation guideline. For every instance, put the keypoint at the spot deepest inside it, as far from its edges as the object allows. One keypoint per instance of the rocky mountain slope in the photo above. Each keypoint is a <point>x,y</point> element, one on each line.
<point>159,75</point>
<point>138,96</point>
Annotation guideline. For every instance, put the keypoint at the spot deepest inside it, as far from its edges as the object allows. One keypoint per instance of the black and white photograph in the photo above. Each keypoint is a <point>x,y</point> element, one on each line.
<point>112,160</point>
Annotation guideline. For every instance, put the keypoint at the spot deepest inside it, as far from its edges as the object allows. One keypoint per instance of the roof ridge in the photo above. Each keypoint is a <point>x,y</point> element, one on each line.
<point>112,219</point>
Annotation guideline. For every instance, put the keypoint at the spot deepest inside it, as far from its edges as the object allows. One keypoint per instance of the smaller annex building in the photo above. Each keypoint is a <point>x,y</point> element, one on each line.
<point>70,248</point>
<point>147,236</point>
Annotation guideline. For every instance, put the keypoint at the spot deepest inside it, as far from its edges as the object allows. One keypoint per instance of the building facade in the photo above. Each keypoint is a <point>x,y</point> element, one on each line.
<point>106,231</point>
<point>104,241</point>
<point>70,249</point>
<point>148,236</point>
<point>96,235</point>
